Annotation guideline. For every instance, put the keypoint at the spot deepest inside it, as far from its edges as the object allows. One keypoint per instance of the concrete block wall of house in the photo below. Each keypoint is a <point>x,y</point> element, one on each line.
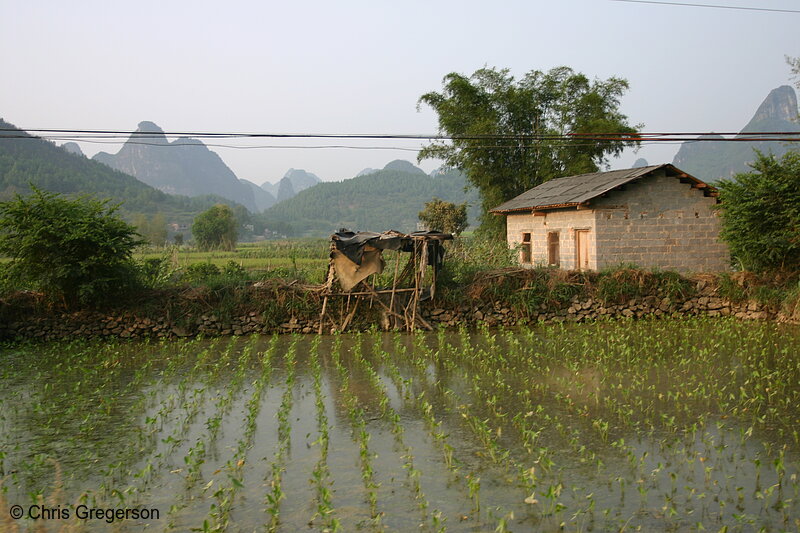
<point>564,223</point>
<point>660,222</point>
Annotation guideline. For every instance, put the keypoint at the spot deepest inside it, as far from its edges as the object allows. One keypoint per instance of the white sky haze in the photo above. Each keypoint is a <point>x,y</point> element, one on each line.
<point>360,67</point>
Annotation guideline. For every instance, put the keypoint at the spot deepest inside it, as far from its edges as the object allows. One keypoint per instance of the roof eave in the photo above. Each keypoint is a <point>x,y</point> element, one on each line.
<point>537,208</point>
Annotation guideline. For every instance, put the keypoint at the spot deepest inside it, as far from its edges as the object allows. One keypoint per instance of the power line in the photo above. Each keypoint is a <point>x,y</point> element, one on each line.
<point>713,6</point>
<point>552,143</point>
<point>128,136</point>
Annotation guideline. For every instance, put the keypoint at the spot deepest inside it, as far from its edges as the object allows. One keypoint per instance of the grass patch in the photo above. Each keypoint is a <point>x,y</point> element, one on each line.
<point>619,285</point>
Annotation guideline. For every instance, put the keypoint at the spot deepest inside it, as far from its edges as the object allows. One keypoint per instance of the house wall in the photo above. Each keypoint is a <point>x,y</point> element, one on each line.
<point>660,222</point>
<point>565,222</point>
<point>656,221</point>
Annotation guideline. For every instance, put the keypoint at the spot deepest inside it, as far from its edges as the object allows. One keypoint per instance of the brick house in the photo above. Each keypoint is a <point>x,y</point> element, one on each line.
<point>655,216</point>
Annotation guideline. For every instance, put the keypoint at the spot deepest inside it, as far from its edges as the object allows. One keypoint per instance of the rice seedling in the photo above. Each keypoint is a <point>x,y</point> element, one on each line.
<point>358,426</point>
<point>225,495</point>
<point>389,413</point>
<point>276,467</point>
<point>321,474</point>
<point>682,424</point>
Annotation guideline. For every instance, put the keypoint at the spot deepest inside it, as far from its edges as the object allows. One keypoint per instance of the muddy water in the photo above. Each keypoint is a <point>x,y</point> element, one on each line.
<point>667,426</point>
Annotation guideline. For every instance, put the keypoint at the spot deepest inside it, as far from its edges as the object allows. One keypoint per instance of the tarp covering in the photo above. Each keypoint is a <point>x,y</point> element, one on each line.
<point>358,254</point>
<point>352,243</point>
<point>350,274</point>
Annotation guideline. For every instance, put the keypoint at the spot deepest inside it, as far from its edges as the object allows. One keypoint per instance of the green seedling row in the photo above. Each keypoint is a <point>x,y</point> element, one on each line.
<point>687,424</point>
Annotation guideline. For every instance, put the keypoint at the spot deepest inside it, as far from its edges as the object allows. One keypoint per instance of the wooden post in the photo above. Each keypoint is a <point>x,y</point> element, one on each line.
<point>322,314</point>
<point>416,287</point>
<point>327,289</point>
<point>394,281</point>
<point>350,316</point>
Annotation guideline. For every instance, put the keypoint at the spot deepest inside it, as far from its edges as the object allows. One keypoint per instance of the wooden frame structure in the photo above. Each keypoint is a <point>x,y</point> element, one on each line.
<point>399,302</point>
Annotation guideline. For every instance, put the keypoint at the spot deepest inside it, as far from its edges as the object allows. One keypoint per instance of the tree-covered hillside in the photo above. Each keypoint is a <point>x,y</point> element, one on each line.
<point>26,160</point>
<point>383,200</point>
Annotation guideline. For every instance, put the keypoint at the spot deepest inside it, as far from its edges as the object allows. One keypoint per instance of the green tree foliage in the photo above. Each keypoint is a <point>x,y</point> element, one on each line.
<point>444,216</point>
<point>75,250</point>
<point>215,229</point>
<point>761,213</point>
<point>152,228</point>
<point>509,135</point>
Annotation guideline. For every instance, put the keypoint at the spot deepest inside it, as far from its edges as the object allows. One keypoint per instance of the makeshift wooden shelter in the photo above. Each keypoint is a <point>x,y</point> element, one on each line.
<point>356,261</point>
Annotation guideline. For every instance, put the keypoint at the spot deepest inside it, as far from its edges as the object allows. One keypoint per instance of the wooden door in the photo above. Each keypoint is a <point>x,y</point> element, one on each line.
<point>553,252</point>
<point>582,249</point>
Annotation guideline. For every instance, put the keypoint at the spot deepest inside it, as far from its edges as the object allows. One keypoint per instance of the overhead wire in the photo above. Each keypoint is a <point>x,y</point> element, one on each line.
<point>129,136</point>
<point>499,141</point>
<point>557,144</point>
<point>115,134</point>
<point>713,6</point>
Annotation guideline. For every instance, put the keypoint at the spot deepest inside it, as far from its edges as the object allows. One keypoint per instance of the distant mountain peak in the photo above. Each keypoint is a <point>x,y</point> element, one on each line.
<point>404,166</point>
<point>150,131</point>
<point>294,181</point>
<point>298,173</point>
<point>780,104</point>
<point>366,171</point>
<point>149,127</point>
<point>72,148</point>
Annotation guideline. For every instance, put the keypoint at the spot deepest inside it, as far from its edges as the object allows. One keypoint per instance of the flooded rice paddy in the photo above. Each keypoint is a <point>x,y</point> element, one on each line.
<point>672,425</point>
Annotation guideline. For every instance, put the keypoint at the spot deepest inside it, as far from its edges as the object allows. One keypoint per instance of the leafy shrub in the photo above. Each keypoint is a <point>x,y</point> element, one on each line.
<point>673,285</point>
<point>76,251</point>
<point>771,290</point>
<point>289,273</point>
<point>761,214</point>
<point>234,270</point>
<point>619,285</point>
<point>156,272</point>
<point>197,273</point>
<point>791,301</point>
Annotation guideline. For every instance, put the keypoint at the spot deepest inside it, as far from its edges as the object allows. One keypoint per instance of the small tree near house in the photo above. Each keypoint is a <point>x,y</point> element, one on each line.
<point>444,216</point>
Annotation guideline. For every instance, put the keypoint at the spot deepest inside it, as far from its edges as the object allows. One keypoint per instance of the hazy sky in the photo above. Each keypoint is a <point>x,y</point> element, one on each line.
<point>360,67</point>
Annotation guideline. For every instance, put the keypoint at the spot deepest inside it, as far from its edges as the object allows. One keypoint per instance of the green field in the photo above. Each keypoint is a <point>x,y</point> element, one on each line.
<point>307,255</point>
<point>672,425</point>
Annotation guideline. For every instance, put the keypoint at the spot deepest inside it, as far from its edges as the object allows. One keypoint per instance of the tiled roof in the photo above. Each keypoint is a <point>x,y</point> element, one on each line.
<point>577,190</point>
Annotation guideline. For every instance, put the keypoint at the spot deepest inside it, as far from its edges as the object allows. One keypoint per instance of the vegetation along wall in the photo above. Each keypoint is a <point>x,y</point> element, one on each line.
<point>506,297</point>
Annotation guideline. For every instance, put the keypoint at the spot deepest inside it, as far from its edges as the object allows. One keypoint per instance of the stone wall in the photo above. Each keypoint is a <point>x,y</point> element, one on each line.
<point>588,309</point>
<point>704,301</point>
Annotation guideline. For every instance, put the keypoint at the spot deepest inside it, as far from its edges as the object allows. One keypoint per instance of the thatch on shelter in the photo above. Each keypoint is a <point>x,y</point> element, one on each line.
<point>358,256</point>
